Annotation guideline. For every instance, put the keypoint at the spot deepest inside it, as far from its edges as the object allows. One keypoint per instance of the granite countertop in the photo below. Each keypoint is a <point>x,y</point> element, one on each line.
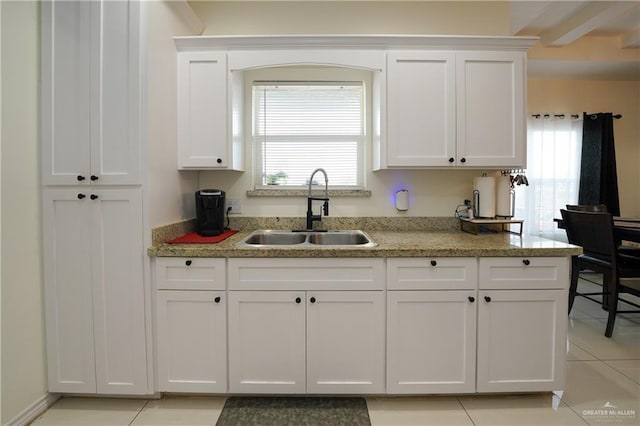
<point>413,243</point>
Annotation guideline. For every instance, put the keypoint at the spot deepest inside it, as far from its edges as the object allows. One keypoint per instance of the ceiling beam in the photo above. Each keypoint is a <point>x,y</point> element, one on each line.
<point>630,39</point>
<point>525,13</point>
<point>584,21</point>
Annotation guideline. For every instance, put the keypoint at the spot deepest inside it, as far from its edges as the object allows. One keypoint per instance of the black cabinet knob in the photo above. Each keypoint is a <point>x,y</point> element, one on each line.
<point>487,299</point>
<point>463,160</point>
<point>81,196</point>
<point>217,299</point>
<point>434,263</point>
<point>219,161</point>
<point>526,262</point>
<point>94,177</point>
<point>312,300</point>
<point>188,262</point>
<point>451,159</point>
<point>80,178</point>
<point>298,300</point>
<point>93,196</point>
<point>472,299</point>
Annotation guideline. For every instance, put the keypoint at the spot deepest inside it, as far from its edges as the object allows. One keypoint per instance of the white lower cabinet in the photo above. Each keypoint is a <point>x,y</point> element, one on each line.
<point>292,331</point>
<point>192,334</point>
<point>267,342</point>
<point>521,340</point>
<point>306,342</point>
<point>431,341</point>
<point>191,325</point>
<point>435,345</point>
<point>431,325</point>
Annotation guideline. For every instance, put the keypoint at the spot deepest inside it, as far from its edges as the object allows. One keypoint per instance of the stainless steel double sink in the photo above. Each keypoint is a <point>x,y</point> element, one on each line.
<point>310,239</point>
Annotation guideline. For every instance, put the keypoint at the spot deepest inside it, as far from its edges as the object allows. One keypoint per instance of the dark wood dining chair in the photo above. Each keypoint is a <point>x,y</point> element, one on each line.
<point>587,207</point>
<point>594,231</point>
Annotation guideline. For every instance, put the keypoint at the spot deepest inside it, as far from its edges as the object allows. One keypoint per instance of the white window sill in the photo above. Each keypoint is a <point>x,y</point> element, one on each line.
<point>283,192</point>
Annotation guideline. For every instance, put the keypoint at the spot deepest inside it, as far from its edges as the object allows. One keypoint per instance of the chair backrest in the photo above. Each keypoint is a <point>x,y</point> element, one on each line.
<point>591,230</point>
<point>587,207</point>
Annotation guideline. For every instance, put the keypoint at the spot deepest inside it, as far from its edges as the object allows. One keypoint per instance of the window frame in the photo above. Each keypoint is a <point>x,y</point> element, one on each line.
<point>305,75</point>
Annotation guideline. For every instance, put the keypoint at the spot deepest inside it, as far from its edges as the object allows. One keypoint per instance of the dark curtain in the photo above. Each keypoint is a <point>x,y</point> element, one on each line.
<point>598,175</point>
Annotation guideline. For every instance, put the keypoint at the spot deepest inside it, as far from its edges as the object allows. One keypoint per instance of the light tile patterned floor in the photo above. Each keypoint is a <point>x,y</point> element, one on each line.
<point>602,373</point>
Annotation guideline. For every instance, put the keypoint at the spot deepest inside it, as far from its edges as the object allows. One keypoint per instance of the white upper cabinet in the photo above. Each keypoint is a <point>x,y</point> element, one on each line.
<point>421,123</point>
<point>207,137</point>
<point>491,109</point>
<point>91,93</point>
<point>454,108</point>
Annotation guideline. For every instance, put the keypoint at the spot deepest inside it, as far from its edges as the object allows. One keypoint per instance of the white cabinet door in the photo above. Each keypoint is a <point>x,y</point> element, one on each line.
<point>67,227</point>
<point>91,99</point>
<point>94,291</point>
<point>421,123</point>
<point>345,342</point>
<point>192,341</point>
<point>118,291</point>
<point>204,139</point>
<point>490,92</point>
<point>431,341</point>
<point>266,342</point>
<point>521,340</point>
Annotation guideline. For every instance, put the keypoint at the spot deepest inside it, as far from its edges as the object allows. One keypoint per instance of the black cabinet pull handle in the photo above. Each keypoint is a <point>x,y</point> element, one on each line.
<point>94,177</point>
<point>434,263</point>
<point>526,262</point>
<point>188,262</point>
<point>80,178</point>
<point>451,159</point>
<point>312,300</point>
<point>463,160</point>
<point>93,197</point>
<point>298,300</point>
<point>487,299</point>
<point>219,161</point>
<point>472,299</point>
<point>217,299</point>
<point>81,196</point>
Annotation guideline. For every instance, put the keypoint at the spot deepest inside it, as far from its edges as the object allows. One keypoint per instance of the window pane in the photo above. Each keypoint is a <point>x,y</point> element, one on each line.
<point>300,127</point>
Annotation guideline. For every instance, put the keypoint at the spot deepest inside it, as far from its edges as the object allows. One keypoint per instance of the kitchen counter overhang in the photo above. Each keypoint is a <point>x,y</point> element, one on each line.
<point>390,244</point>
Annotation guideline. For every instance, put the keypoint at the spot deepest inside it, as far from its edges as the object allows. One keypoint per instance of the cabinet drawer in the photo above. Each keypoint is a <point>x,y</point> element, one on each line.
<point>438,273</point>
<point>181,273</point>
<point>306,274</point>
<point>523,273</point>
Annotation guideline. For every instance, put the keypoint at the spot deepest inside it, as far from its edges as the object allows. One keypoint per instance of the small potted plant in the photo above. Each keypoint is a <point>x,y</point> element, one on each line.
<point>276,178</point>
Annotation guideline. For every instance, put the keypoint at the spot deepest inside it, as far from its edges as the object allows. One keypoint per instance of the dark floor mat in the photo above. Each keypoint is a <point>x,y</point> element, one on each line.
<point>294,411</point>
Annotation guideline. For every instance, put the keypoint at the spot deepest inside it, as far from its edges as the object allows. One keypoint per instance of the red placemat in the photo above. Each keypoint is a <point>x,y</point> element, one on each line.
<point>194,237</point>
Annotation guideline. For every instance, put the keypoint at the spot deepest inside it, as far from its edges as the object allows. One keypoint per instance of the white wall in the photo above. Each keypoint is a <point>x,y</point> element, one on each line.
<point>433,193</point>
<point>23,345</point>
<point>170,191</point>
<point>354,17</point>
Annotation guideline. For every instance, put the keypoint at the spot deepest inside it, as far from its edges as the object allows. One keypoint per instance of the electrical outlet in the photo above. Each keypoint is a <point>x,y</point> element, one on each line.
<point>234,203</point>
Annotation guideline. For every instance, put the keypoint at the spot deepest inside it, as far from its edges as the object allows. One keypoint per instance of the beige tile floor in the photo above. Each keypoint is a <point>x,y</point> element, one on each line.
<point>602,373</point>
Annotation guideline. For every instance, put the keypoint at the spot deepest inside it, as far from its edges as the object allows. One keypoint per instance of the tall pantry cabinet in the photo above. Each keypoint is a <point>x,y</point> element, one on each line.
<point>93,237</point>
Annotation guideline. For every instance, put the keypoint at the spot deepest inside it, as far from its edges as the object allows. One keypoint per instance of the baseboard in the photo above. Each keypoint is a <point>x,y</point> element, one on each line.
<point>30,413</point>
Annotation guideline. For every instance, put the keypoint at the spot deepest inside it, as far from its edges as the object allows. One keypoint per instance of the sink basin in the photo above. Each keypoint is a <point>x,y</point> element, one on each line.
<point>348,238</point>
<point>275,238</point>
<point>307,239</point>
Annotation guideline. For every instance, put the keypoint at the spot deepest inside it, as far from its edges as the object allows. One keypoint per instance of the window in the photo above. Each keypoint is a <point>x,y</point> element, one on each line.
<point>553,170</point>
<point>299,126</point>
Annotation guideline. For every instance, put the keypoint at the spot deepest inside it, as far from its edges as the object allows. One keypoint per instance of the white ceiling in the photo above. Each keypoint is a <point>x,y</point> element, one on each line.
<point>560,23</point>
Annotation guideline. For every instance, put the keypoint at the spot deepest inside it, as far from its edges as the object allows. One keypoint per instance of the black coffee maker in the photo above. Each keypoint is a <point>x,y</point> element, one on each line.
<point>210,212</point>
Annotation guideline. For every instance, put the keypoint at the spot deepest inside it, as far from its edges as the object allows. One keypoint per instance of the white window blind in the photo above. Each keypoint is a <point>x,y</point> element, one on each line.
<point>298,127</point>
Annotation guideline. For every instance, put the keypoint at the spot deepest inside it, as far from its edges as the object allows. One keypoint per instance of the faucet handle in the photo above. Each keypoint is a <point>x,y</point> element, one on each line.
<point>325,207</point>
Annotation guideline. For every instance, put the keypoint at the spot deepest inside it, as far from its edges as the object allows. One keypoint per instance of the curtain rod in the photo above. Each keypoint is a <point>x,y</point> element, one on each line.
<point>616,116</point>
